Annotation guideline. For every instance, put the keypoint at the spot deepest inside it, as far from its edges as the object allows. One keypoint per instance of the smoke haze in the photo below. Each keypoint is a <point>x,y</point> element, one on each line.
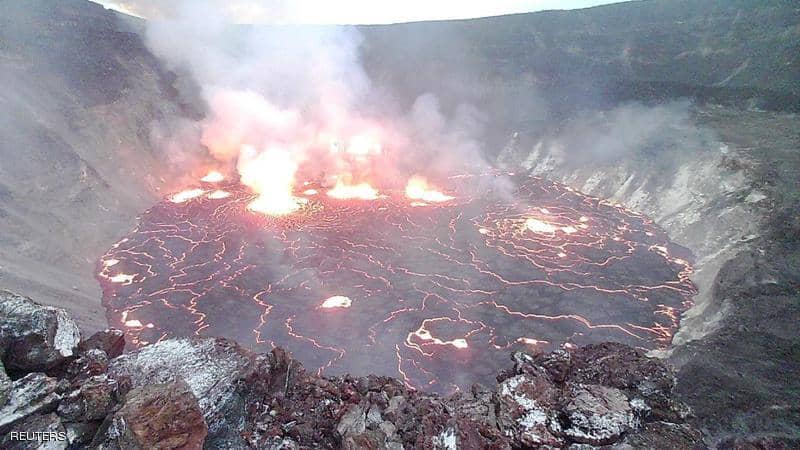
<point>301,91</point>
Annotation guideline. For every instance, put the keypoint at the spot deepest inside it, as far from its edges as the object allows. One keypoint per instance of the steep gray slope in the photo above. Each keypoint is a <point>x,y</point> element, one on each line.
<point>737,51</point>
<point>77,163</point>
<point>527,68</point>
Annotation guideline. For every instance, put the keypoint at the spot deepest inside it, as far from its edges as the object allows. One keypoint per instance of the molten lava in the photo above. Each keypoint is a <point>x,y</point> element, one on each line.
<point>418,189</point>
<point>436,296</point>
<point>337,301</point>
<point>213,177</point>
<point>218,195</point>
<point>121,278</point>
<point>361,191</point>
<point>540,226</point>
<point>271,175</point>
<point>185,196</point>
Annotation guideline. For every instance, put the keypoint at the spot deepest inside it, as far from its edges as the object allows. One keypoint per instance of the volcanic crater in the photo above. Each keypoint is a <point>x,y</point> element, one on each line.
<point>435,293</point>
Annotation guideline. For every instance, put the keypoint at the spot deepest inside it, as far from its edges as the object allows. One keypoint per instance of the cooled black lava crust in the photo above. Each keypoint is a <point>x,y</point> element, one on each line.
<point>436,294</point>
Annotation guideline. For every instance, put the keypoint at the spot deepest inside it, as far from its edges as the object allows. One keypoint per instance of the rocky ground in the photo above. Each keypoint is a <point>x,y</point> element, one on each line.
<point>212,393</point>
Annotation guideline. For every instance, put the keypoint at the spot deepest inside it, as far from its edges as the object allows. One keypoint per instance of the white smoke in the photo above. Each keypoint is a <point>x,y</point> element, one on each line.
<point>301,90</point>
<point>660,135</point>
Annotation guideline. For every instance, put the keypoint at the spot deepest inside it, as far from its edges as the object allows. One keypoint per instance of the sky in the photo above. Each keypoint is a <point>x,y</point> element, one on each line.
<point>350,11</point>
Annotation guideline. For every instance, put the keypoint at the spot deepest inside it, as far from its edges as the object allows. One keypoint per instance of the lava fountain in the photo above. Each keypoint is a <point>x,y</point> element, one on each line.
<point>365,282</point>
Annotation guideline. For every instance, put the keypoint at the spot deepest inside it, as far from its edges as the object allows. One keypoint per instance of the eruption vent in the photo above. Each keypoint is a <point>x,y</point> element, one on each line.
<point>417,188</point>
<point>337,301</point>
<point>271,175</point>
<point>213,177</point>
<point>361,191</point>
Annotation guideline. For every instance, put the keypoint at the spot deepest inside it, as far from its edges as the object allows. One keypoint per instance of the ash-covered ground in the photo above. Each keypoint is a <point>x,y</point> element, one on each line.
<point>428,292</point>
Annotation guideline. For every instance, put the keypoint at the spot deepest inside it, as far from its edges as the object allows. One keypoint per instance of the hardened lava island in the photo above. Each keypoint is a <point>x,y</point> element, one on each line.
<point>564,229</point>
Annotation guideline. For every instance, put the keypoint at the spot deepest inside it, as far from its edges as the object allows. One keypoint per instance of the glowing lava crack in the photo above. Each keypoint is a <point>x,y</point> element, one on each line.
<point>436,295</point>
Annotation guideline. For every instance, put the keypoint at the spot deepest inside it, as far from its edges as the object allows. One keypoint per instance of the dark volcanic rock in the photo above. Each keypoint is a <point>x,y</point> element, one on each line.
<point>663,436</point>
<point>557,364</point>
<point>31,394</point>
<point>652,50</point>
<point>89,363</point>
<point>528,410</point>
<point>111,341</point>
<point>163,416</point>
<point>476,423</point>
<point>5,384</point>
<point>52,437</point>
<point>35,337</point>
<point>80,434</point>
<point>92,401</point>
<point>212,368</point>
<point>619,366</point>
<point>628,369</point>
<point>597,415</point>
<point>270,401</point>
<point>760,443</point>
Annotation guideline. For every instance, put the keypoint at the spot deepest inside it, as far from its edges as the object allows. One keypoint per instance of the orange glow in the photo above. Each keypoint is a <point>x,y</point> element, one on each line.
<point>185,196</point>
<point>425,335</point>
<point>360,146</point>
<point>110,262</point>
<point>271,175</point>
<point>538,226</point>
<point>122,278</point>
<point>364,145</point>
<point>337,301</point>
<point>362,191</point>
<point>459,343</point>
<point>310,192</point>
<point>216,195</point>
<point>569,229</point>
<point>531,341</point>
<point>213,177</point>
<point>133,323</point>
<point>418,189</point>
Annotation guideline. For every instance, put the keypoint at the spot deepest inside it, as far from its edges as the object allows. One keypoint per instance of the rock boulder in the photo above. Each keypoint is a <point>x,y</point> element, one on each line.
<point>35,337</point>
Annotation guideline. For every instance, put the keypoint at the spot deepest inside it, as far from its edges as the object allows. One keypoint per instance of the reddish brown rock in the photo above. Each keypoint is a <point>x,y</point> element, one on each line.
<point>617,365</point>
<point>92,401</point>
<point>111,341</point>
<point>597,415</point>
<point>157,416</point>
<point>527,410</point>
<point>90,363</point>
